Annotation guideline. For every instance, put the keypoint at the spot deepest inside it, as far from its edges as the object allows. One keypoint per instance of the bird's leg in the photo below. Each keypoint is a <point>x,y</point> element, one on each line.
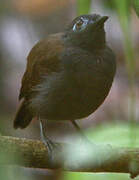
<point>79,130</point>
<point>48,143</point>
<point>53,149</point>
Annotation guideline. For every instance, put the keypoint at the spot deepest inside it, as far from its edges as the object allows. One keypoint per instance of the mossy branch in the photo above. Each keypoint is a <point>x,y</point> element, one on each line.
<point>33,153</point>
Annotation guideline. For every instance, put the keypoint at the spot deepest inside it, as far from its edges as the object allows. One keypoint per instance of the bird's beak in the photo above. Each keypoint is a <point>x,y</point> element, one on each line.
<point>101,21</point>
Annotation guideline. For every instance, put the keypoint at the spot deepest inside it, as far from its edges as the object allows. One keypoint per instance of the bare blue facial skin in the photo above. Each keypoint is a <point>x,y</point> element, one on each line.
<point>80,25</point>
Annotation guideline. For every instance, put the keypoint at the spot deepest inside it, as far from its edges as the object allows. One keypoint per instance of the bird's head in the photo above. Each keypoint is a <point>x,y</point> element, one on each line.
<point>87,31</point>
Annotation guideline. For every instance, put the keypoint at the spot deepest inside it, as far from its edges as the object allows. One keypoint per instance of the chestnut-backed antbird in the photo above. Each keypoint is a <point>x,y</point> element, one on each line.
<point>68,75</point>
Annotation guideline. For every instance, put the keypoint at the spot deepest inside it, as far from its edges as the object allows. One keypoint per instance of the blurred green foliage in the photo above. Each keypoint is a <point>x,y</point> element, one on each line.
<point>115,134</point>
<point>136,6</point>
<point>123,11</point>
<point>102,176</point>
<point>123,7</point>
<point>11,173</point>
<point>83,6</point>
<point>110,4</point>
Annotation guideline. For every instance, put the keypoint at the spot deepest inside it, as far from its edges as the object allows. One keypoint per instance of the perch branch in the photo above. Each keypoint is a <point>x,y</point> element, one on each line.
<point>33,153</point>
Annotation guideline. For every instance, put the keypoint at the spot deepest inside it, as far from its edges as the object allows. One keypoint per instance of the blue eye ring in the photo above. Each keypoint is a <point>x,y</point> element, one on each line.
<point>80,24</point>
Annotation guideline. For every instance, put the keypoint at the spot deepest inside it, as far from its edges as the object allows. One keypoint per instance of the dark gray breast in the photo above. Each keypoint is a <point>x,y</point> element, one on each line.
<point>79,89</point>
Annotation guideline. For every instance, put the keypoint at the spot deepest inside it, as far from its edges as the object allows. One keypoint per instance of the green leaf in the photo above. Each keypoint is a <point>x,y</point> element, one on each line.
<point>83,6</point>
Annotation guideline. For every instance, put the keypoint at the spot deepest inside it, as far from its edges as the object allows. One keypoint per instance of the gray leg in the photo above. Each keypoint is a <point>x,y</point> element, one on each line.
<point>79,130</point>
<point>48,143</point>
<point>53,148</point>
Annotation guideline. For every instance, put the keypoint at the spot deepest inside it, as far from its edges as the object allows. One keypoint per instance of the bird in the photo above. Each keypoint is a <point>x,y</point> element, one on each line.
<point>68,75</point>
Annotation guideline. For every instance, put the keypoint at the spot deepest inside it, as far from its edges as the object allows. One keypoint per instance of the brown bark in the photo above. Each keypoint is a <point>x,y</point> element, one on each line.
<point>33,153</point>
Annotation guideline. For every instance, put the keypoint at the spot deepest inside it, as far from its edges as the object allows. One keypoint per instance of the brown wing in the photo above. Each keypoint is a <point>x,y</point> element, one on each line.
<point>42,60</point>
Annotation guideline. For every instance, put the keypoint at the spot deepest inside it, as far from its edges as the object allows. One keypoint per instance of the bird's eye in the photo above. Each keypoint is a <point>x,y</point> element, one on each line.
<point>80,24</point>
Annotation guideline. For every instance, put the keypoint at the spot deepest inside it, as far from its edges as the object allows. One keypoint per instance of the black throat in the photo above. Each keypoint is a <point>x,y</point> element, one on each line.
<point>86,41</point>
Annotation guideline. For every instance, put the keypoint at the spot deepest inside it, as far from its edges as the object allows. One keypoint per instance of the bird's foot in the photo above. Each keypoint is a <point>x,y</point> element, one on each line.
<point>53,149</point>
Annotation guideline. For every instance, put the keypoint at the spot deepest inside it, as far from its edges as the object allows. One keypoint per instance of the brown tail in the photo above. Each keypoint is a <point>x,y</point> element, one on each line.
<point>23,117</point>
